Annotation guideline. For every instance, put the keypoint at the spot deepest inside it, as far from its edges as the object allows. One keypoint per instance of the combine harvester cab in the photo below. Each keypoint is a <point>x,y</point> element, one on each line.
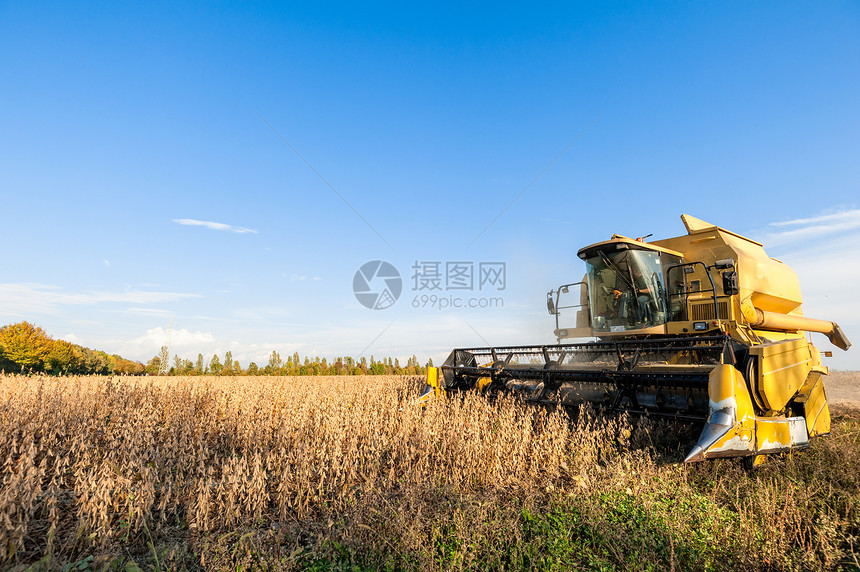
<point>702,327</point>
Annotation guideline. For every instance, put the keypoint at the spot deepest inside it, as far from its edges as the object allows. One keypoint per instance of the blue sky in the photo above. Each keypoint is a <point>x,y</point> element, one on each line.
<point>320,137</point>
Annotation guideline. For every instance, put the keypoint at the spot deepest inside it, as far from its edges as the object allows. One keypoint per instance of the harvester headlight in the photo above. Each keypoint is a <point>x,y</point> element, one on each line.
<point>700,326</point>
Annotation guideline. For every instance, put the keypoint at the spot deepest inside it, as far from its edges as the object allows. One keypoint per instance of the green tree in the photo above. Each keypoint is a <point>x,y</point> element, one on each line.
<point>98,362</point>
<point>153,366</point>
<point>253,369</point>
<point>228,363</point>
<point>127,367</point>
<point>275,362</point>
<point>64,358</point>
<point>215,366</point>
<point>25,345</point>
<point>164,360</point>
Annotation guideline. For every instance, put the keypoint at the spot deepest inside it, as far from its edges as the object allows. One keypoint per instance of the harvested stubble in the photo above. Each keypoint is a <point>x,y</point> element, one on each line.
<point>279,472</point>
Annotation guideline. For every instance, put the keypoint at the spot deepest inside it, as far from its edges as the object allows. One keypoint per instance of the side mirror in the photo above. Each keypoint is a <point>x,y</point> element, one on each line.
<point>731,285</point>
<point>550,304</point>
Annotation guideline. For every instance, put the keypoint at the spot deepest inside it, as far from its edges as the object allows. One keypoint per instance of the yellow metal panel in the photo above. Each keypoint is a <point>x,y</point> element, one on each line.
<point>812,379</point>
<point>783,369</point>
<point>779,433</point>
<point>696,225</point>
<point>726,388</point>
<point>433,377</point>
<point>772,435</point>
<point>729,397</point>
<point>433,388</point>
<point>768,283</point>
<point>816,411</point>
<point>433,380</point>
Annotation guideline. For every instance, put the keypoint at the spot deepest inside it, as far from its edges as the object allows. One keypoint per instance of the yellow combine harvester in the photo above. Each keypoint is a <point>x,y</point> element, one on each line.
<point>703,326</point>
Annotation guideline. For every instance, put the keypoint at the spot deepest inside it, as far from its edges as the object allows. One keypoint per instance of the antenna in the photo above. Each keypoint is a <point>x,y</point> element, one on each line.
<point>169,334</point>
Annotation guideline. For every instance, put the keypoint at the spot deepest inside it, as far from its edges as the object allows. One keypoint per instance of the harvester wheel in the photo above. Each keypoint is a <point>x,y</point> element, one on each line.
<point>754,461</point>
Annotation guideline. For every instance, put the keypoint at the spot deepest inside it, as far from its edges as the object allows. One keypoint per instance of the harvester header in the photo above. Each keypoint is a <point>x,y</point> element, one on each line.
<point>704,326</point>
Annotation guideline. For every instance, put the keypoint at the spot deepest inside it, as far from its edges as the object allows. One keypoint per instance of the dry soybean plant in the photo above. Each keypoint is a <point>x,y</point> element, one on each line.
<point>109,465</point>
<point>93,461</point>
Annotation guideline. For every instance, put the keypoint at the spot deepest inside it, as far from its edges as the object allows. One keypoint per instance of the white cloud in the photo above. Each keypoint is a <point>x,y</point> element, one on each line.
<point>214,225</point>
<point>107,262</point>
<point>182,342</point>
<point>804,229</point>
<point>828,277</point>
<point>823,250</point>
<point>187,344</point>
<point>179,338</point>
<point>26,298</point>
<point>852,214</point>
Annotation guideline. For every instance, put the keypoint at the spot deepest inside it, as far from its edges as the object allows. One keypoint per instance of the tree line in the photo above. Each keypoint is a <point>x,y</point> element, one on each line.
<point>26,348</point>
<point>293,365</point>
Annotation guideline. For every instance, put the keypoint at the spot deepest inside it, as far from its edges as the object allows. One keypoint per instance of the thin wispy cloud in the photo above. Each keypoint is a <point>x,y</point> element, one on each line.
<point>853,214</point>
<point>821,250</point>
<point>810,228</point>
<point>214,225</point>
<point>24,299</point>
